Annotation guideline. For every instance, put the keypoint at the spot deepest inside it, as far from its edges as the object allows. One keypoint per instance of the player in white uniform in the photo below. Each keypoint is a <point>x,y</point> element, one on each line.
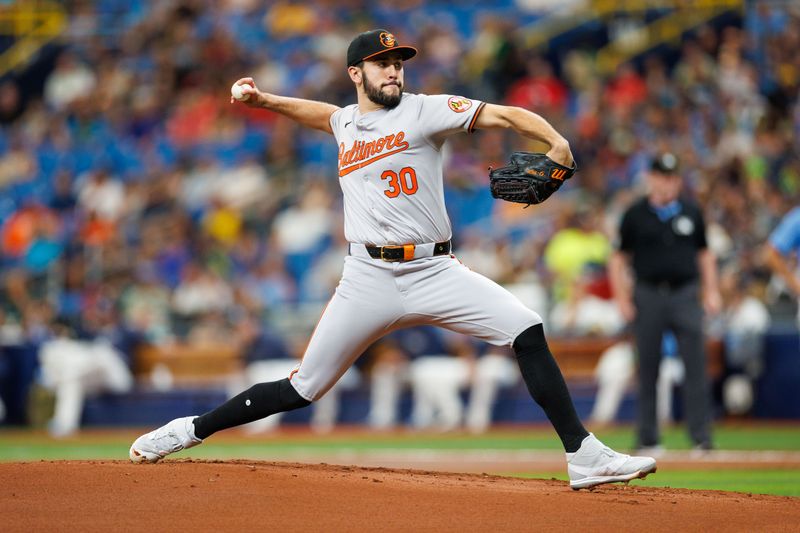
<point>400,271</point>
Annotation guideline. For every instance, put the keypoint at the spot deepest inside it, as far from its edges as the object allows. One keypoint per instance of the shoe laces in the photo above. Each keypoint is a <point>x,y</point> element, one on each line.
<point>605,450</point>
<point>618,458</point>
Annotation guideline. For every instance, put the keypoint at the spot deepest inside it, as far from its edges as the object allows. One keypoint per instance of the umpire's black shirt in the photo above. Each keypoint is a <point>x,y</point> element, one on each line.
<point>663,251</point>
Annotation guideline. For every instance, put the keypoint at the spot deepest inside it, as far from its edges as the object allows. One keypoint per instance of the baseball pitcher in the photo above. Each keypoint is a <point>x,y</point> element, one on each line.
<point>400,271</point>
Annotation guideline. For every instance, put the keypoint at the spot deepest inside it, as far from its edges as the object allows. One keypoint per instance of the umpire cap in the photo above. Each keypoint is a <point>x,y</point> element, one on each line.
<point>373,43</point>
<point>665,163</point>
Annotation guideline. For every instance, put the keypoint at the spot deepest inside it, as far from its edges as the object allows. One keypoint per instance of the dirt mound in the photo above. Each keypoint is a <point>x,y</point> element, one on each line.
<point>246,495</point>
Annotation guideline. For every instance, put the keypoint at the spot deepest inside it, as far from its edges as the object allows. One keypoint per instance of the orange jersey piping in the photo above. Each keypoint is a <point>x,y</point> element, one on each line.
<point>472,122</point>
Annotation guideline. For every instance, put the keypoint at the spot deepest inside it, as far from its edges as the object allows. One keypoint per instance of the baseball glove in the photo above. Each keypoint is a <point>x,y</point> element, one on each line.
<point>530,178</point>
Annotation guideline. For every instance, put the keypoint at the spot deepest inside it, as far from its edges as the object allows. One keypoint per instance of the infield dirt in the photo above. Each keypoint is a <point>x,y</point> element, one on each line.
<point>191,495</point>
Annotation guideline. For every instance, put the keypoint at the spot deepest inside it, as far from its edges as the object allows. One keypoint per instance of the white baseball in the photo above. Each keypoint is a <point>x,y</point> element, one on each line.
<point>237,93</point>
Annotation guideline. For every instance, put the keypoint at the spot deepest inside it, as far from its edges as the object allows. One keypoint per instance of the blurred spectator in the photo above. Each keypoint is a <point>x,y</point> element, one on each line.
<point>18,165</point>
<point>200,291</point>
<point>21,230</point>
<point>145,308</point>
<point>269,285</point>
<point>576,246</point>
<point>64,200</point>
<point>45,247</point>
<point>485,256</point>
<point>11,105</point>
<point>589,309</point>
<point>101,195</point>
<point>626,90</point>
<point>301,232</point>
<point>71,80</point>
<point>539,89</point>
<point>222,223</point>
<point>244,185</point>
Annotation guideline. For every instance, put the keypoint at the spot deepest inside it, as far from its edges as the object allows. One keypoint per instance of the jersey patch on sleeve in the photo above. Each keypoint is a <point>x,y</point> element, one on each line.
<point>459,104</point>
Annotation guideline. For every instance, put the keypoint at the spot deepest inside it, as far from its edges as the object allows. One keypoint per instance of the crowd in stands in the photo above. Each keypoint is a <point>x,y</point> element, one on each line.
<point>137,203</point>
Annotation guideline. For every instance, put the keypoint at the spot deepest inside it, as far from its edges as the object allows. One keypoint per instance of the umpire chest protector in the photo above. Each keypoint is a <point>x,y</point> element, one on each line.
<point>663,250</point>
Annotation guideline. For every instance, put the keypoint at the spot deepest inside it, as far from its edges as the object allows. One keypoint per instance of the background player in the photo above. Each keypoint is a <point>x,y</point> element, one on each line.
<point>784,242</point>
<point>400,271</point>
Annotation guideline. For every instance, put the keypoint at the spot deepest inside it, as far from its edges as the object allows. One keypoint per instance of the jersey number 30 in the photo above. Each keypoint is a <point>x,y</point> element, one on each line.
<point>404,181</point>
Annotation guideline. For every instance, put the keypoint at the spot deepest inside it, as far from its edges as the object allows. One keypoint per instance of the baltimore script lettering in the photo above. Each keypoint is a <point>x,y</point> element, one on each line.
<point>362,153</point>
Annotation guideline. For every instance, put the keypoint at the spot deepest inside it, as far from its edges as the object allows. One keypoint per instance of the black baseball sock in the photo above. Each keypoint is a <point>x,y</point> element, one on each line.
<point>255,403</point>
<point>547,387</point>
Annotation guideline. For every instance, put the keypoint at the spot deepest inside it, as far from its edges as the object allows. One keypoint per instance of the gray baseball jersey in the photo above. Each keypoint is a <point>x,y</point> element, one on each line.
<point>390,167</point>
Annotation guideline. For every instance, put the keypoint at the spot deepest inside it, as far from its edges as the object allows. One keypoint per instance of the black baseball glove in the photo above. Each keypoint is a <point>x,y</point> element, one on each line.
<point>530,178</point>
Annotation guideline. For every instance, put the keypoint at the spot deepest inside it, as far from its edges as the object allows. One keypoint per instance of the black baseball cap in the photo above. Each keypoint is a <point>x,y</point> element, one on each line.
<point>373,43</point>
<point>665,163</point>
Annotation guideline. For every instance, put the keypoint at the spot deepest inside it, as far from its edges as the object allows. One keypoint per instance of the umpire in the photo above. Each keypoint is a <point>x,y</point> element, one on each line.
<point>662,239</point>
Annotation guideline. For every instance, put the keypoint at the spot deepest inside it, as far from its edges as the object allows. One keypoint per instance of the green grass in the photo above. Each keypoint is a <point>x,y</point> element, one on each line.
<point>22,445</point>
<point>782,482</point>
<point>726,437</point>
<point>18,445</point>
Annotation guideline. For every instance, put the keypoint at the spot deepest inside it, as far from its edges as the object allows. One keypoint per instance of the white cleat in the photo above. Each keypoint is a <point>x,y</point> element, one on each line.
<point>595,463</point>
<point>170,438</point>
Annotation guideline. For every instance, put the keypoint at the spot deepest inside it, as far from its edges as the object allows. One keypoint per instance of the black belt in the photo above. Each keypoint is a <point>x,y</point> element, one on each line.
<point>403,252</point>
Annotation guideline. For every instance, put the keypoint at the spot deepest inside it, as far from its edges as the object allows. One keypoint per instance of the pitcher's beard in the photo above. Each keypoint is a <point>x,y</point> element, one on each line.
<point>376,95</point>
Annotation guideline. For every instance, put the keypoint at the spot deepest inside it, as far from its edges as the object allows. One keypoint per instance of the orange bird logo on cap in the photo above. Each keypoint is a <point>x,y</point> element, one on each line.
<point>388,40</point>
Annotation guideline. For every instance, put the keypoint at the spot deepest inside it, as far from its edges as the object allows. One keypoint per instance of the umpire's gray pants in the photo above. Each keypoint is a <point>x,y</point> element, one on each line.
<point>658,309</point>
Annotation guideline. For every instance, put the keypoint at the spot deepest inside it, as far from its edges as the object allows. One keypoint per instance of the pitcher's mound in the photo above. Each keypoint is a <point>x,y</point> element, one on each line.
<point>186,495</point>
